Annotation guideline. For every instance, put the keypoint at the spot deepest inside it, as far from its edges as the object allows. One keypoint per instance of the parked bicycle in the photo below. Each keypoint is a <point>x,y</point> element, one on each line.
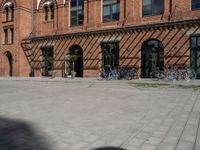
<point>156,74</point>
<point>127,73</point>
<point>173,73</point>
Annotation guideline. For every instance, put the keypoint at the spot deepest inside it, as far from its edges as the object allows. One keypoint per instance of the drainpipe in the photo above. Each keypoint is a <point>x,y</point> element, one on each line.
<point>170,9</point>
<point>32,16</point>
<point>32,26</point>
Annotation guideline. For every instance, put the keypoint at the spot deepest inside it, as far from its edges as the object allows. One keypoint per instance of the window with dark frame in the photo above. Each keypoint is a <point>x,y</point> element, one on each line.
<point>5,36</point>
<point>111,10</point>
<point>52,11</point>
<point>152,7</point>
<point>7,13</point>
<point>12,35</point>
<point>46,13</point>
<point>12,12</point>
<point>195,54</point>
<point>77,12</point>
<point>195,4</point>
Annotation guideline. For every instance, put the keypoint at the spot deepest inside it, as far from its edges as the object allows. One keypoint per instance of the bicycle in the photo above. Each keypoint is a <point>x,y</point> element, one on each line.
<point>156,74</point>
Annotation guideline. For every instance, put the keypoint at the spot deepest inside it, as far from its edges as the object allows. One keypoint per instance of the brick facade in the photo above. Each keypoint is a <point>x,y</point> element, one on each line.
<point>173,29</point>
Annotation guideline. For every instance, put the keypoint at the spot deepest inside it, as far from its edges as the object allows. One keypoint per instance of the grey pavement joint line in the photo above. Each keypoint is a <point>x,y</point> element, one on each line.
<point>197,138</point>
<point>175,121</point>
<point>196,99</point>
<point>126,141</point>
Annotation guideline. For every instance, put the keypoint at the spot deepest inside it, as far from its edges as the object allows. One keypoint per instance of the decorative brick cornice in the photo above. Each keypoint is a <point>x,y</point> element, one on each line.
<point>169,24</point>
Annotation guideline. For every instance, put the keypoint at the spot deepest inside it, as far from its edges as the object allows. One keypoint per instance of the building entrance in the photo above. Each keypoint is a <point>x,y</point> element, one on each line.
<point>10,63</point>
<point>78,64</point>
<point>110,55</point>
<point>195,55</point>
<point>47,61</point>
<point>152,57</point>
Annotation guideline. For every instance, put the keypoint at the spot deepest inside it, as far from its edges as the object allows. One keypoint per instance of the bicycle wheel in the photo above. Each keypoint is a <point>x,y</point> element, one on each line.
<point>171,76</point>
<point>154,76</point>
<point>192,75</point>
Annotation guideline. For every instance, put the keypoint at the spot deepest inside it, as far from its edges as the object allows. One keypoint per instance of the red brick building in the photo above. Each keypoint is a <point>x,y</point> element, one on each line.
<point>136,33</point>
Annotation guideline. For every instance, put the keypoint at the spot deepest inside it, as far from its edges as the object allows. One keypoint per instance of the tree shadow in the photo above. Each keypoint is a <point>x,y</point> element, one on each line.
<point>19,135</point>
<point>109,148</point>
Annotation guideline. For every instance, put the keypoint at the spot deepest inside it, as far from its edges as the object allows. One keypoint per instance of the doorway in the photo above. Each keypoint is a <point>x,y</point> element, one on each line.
<point>152,57</point>
<point>10,63</point>
<point>78,64</point>
<point>195,55</point>
<point>47,61</point>
<point>110,57</point>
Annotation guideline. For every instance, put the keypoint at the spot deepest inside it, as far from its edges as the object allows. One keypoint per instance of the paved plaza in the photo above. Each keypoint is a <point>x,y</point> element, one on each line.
<point>86,114</point>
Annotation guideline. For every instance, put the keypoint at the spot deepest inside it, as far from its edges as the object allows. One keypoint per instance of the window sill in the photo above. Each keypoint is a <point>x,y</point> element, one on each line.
<point>8,44</point>
<point>49,21</point>
<point>10,21</point>
<point>195,9</point>
<point>76,26</point>
<point>156,15</point>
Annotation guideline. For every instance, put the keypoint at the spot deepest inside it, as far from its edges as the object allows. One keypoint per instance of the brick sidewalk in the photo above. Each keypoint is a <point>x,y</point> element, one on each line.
<point>85,114</point>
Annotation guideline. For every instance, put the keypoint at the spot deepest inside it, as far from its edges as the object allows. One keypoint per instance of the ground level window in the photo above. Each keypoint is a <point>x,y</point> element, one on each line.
<point>195,54</point>
<point>47,61</point>
<point>110,54</point>
<point>152,57</point>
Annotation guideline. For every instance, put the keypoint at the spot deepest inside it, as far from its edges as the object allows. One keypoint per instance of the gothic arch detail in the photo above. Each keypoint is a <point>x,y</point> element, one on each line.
<point>7,3</point>
<point>42,3</point>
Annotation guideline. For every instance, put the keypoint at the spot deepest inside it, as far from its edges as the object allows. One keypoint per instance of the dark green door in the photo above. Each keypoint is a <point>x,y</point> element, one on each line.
<point>110,54</point>
<point>152,57</point>
<point>195,54</point>
<point>195,60</point>
<point>47,61</point>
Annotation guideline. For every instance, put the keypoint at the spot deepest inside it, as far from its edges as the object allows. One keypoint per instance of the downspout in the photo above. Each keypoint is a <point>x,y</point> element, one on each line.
<point>170,9</point>
<point>32,17</point>
<point>30,35</point>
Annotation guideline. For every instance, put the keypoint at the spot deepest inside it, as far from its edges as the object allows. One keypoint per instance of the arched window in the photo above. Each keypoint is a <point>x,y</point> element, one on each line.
<point>12,12</point>
<point>9,10</point>
<point>45,13</point>
<point>6,13</point>
<point>52,11</point>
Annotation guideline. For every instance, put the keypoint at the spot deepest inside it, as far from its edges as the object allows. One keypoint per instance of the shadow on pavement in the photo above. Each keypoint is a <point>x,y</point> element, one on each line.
<point>109,148</point>
<point>18,135</point>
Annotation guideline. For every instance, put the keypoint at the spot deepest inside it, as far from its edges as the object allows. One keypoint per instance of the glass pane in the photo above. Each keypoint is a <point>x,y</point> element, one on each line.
<point>106,10</point>
<point>109,2</point>
<point>198,41</point>
<point>193,42</point>
<point>195,4</point>
<point>73,3</point>
<point>158,7</point>
<point>80,2</point>
<point>116,8</point>
<point>192,59</point>
<point>73,18</point>
<point>146,7</point>
<point>80,17</point>
<point>198,62</point>
<point>115,16</point>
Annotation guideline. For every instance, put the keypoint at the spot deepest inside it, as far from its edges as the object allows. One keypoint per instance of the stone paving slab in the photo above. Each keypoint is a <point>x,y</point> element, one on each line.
<point>64,114</point>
